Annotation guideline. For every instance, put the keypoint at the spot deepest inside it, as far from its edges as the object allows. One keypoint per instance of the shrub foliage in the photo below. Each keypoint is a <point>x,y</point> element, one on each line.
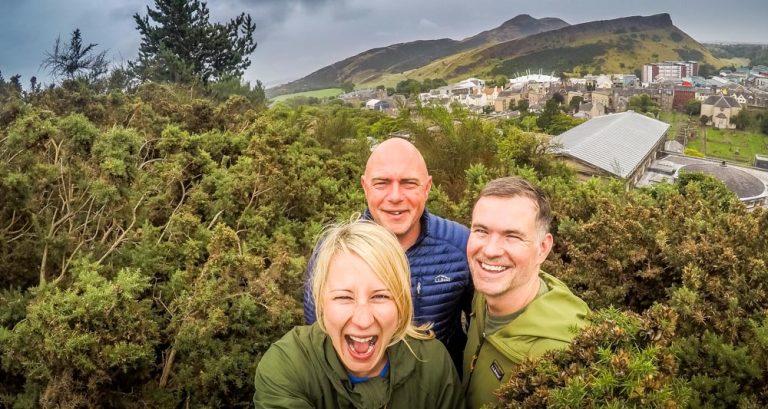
<point>153,243</point>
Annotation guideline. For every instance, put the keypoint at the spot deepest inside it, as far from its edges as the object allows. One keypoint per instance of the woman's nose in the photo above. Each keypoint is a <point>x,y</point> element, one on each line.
<point>362,316</point>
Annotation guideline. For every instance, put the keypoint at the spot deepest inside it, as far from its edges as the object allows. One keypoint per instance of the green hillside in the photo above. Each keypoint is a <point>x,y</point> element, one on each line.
<point>375,65</point>
<point>606,46</point>
<point>621,45</point>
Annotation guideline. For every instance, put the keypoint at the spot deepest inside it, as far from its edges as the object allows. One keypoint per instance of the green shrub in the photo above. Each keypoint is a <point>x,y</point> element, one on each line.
<point>622,360</point>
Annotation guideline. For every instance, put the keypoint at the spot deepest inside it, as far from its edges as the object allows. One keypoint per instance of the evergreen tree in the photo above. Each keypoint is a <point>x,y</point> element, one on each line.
<point>74,60</point>
<point>179,43</point>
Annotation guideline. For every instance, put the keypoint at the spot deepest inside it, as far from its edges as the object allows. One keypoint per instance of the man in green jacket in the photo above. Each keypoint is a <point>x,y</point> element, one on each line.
<point>519,311</point>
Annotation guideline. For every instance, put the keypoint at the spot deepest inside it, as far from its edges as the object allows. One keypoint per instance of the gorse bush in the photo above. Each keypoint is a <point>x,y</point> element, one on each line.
<point>150,261</point>
<point>153,245</point>
<point>622,360</point>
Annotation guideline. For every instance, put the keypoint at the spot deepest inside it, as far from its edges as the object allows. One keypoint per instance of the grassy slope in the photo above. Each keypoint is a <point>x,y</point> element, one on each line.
<point>321,93</point>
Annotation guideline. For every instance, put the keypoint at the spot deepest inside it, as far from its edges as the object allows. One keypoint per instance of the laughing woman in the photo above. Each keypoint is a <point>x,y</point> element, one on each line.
<point>363,351</point>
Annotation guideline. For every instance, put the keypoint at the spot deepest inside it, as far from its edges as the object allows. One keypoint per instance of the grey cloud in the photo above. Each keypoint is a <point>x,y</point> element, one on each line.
<point>126,10</point>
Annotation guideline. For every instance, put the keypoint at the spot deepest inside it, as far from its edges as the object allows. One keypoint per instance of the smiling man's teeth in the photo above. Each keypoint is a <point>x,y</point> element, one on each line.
<point>490,267</point>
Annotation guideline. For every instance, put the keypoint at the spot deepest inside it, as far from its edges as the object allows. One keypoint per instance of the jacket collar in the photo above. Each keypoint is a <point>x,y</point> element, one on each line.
<point>376,392</point>
<point>545,317</point>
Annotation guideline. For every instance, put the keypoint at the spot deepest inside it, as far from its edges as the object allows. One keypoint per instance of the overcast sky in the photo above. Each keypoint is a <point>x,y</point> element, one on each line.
<point>297,37</point>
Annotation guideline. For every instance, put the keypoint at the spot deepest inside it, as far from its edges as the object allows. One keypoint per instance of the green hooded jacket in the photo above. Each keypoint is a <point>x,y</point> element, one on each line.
<point>545,324</point>
<point>302,370</point>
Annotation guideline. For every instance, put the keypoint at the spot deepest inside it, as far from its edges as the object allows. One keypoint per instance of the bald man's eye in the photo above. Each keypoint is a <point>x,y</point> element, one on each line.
<point>410,185</point>
<point>380,184</point>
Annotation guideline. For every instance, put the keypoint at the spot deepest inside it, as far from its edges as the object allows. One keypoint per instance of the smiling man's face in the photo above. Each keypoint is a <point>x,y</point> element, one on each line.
<point>396,185</point>
<point>505,247</point>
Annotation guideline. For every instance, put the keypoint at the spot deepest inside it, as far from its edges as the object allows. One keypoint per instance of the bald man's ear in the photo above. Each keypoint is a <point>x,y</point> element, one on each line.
<point>428,184</point>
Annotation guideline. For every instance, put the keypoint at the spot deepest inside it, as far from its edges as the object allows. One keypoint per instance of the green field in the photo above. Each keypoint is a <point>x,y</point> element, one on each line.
<point>730,144</point>
<point>320,93</point>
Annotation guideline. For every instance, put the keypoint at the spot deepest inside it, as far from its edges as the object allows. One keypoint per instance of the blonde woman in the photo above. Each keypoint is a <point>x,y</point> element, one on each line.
<point>363,351</point>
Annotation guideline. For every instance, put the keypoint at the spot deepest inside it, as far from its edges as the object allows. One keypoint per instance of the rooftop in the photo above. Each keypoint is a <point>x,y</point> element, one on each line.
<point>616,143</point>
<point>746,182</point>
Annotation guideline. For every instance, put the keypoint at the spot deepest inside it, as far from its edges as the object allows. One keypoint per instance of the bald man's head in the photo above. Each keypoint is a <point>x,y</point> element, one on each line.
<point>396,185</point>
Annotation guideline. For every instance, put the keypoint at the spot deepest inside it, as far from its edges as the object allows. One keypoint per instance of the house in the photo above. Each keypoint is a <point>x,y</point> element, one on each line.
<point>538,96</point>
<point>720,109</point>
<point>675,97</point>
<point>681,97</point>
<point>572,94</point>
<point>377,105</point>
<point>506,101</point>
<point>619,145</point>
<point>590,110</point>
<point>490,95</point>
<point>601,98</point>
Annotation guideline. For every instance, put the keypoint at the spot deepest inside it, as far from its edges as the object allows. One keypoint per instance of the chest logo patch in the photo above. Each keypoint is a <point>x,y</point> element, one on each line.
<point>442,279</point>
<point>496,369</point>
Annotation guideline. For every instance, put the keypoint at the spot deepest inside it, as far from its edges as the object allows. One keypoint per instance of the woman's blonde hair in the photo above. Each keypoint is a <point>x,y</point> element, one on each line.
<point>378,248</point>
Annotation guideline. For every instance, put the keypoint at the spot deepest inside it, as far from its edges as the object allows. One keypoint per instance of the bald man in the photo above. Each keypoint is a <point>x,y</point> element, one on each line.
<point>396,185</point>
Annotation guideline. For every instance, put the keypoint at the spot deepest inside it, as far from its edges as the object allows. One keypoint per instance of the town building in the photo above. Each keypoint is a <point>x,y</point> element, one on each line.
<point>750,184</point>
<point>377,105</point>
<point>669,70</point>
<point>720,109</point>
<point>619,145</point>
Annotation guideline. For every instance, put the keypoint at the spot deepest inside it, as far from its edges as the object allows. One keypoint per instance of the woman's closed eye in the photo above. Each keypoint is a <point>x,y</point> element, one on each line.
<point>381,297</point>
<point>342,298</point>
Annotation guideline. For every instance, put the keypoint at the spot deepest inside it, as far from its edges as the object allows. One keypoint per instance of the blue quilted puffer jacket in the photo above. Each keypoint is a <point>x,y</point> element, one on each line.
<point>441,284</point>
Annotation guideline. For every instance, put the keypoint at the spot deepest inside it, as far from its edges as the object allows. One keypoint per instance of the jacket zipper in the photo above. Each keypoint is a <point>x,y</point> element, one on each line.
<point>474,358</point>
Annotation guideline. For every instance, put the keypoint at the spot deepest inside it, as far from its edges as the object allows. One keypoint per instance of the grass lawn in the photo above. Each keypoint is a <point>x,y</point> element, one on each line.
<point>730,144</point>
<point>320,93</point>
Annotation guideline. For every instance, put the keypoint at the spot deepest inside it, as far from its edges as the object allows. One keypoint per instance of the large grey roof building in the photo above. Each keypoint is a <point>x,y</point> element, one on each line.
<point>750,184</point>
<point>619,145</point>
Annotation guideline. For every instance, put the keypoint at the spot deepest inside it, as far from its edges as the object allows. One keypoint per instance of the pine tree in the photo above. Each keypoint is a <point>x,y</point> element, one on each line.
<point>179,43</point>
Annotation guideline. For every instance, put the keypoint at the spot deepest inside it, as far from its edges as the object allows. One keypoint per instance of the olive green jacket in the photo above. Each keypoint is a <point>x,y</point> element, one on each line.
<point>302,370</point>
<point>545,324</point>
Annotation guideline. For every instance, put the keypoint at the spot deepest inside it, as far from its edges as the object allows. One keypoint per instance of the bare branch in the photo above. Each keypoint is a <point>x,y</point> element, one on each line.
<point>210,225</point>
<point>178,206</point>
<point>121,238</point>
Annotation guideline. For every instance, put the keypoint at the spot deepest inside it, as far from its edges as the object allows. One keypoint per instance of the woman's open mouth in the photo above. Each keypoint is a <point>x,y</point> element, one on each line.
<point>361,348</point>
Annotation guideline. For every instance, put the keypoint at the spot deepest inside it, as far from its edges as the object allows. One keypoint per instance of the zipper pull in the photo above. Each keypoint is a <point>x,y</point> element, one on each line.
<point>418,287</point>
